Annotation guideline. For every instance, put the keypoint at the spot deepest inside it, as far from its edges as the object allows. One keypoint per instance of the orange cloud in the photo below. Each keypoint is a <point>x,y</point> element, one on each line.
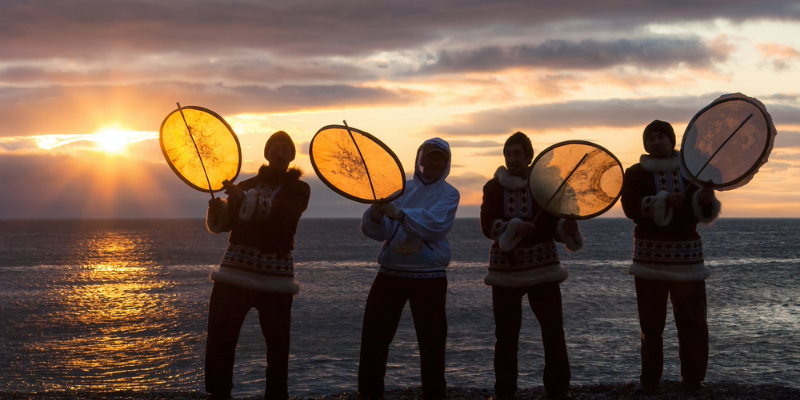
<point>142,107</point>
<point>774,50</point>
<point>780,55</point>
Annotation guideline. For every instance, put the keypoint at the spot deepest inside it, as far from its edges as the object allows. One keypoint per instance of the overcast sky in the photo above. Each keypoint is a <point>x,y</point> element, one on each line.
<point>470,72</point>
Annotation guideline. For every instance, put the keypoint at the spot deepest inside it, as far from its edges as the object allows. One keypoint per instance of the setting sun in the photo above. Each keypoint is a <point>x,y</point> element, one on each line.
<point>112,140</point>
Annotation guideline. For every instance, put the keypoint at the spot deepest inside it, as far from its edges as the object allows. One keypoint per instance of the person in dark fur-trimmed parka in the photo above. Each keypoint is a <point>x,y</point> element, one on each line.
<point>668,257</point>
<point>524,260</point>
<point>257,270</point>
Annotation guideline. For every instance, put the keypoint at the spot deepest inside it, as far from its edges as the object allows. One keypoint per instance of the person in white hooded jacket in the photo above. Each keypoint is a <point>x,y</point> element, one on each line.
<point>413,262</point>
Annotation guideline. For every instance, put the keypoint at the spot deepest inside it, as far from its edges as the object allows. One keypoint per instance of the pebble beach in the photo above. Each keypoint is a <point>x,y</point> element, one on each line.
<point>668,390</point>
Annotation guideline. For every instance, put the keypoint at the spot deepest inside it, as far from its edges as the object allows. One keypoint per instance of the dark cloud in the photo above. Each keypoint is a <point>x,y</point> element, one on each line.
<point>789,97</point>
<point>236,69</point>
<point>649,53</point>
<point>53,28</point>
<point>577,114</point>
<point>787,139</point>
<point>619,113</point>
<point>470,186</point>
<point>18,145</point>
<point>303,148</point>
<point>75,187</point>
<point>468,181</point>
<point>60,186</point>
<point>325,203</point>
<point>84,109</point>
<point>783,114</point>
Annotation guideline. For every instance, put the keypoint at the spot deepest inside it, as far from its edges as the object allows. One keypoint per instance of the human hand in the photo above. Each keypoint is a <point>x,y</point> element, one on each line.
<point>234,192</point>
<point>570,226</point>
<point>376,212</point>
<point>707,194</point>
<point>525,229</point>
<point>391,211</point>
<point>675,200</point>
<point>215,204</point>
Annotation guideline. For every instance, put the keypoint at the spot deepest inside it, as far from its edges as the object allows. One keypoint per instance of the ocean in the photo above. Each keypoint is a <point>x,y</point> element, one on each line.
<point>122,304</point>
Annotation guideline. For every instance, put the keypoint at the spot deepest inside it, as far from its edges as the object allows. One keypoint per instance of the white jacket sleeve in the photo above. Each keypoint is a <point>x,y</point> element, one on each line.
<point>379,231</point>
<point>434,222</point>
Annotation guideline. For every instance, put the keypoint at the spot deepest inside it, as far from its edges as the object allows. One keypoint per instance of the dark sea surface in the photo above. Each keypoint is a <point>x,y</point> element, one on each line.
<point>122,304</point>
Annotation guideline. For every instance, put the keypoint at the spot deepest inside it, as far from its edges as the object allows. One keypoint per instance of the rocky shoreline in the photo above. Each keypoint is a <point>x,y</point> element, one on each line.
<point>669,390</point>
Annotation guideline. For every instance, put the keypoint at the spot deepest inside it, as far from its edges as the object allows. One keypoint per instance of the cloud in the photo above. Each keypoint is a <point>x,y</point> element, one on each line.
<point>782,97</point>
<point>649,53</point>
<point>775,50</point>
<point>784,156</point>
<point>784,114</point>
<point>576,114</point>
<point>618,113</point>
<point>94,185</point>
<point>468,180</point>
<point>780,55</point>
<point>470,187</point>
<point>234,69</point>
<point>46,28</point>
<point>487,153</point>
<point>787,139</point>
<point>303,148</point>
<point>83,109</point>
<point>773,167</point>
<point>468,143</point>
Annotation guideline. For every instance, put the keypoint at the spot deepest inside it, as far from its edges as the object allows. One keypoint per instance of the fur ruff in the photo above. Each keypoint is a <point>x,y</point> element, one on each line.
<point>249,205</point>
<point>246,280</point>
<point>552,273</point>
<point>509,181</point>
<point>220,222</point>
<point>508,240</point>
<point>652,164</point>
<point>266,175</point>
<point>673,273</point>
<point>573,243</point>
<point>697,209</point>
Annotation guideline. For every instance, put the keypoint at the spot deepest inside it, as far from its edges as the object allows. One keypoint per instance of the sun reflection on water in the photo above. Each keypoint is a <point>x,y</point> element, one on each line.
<point>114,331</point>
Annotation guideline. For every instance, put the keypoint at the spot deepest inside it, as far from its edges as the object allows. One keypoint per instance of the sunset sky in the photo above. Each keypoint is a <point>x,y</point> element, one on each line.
<point>85,85</point>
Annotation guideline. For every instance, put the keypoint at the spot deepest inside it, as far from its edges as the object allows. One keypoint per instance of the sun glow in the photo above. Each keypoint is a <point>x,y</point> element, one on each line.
<point>108,140</point>
<point>112,140</point>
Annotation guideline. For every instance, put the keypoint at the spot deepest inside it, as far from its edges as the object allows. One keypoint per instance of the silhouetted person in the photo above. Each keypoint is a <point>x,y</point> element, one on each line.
<point>257,269</point>
<point>413,263</point>
<point>524,260</point>
<point>668,257</point>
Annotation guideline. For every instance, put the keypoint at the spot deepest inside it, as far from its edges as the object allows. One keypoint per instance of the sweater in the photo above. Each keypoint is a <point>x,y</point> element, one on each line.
<point>666,243</point>
<point>262,226</point>
<point>517,261</point>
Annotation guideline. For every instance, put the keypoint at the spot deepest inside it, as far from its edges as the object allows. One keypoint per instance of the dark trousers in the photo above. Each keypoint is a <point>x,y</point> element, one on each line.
<point>385,303</point>
<point>545,301</point>
<point>690,309</point>
<point>226,312</point>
